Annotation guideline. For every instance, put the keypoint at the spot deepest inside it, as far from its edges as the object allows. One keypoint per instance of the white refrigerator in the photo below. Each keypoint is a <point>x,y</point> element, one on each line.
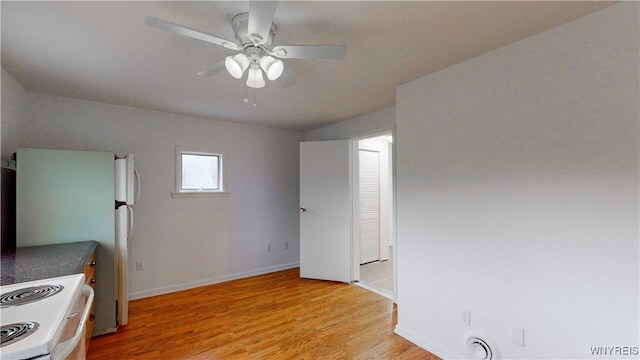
<point>67,196</point>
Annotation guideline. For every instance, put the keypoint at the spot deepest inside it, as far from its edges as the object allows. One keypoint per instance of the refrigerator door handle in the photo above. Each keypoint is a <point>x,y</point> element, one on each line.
<point>130,210</point>
<point>135,172</point>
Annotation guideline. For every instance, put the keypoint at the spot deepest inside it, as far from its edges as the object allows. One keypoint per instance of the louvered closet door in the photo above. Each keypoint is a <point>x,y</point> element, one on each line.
<point>369,206</point>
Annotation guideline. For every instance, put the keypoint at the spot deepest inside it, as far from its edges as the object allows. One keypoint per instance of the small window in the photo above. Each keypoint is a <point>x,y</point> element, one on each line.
<point>199,172</point>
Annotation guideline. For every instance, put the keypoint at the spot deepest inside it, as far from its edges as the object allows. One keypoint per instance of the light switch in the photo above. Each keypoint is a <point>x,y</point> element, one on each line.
<point>517,336</point>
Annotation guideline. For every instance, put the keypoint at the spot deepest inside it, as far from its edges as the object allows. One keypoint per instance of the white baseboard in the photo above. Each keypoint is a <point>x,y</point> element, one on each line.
<point>435,349</point>
<point>210,281</point>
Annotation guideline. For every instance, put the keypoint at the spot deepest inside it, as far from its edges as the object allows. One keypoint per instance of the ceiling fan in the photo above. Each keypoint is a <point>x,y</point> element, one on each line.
<point>255,33</point>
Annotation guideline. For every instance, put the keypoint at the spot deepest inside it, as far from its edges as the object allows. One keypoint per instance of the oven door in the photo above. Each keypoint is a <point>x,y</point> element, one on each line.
<point>72,342</point>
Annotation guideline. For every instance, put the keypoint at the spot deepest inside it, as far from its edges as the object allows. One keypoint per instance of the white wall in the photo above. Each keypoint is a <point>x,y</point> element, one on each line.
<point>14,107</point>
<point>183,242</point>
<point>368,124</point>
<point>517,181</point>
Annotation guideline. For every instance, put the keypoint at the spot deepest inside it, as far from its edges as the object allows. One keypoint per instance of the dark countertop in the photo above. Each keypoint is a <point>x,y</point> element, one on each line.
<point>41,262</point>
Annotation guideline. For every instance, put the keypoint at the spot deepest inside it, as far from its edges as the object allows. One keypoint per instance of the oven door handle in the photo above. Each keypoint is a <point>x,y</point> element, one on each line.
<point>65,348</point>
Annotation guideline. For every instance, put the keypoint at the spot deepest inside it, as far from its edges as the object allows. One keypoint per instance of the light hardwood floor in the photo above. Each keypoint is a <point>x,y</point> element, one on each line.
<point>272,316</point>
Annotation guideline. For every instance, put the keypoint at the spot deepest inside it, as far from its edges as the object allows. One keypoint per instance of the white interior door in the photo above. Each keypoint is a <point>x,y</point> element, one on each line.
<point>325,210</point>
<point>369,206</point>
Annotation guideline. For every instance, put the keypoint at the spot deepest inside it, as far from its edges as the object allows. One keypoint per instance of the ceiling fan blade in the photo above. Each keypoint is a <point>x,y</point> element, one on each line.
<point>260,19</point>
<point>213,69</point>
<point>332,52</point>
<point>285,80</point>
<point>194,34</point>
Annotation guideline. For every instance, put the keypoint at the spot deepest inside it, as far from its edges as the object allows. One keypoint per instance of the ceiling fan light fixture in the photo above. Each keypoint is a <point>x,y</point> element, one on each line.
<point>272,67</point>
<point>255,79</point>
<point>254,33</point>
<point>236,65</point>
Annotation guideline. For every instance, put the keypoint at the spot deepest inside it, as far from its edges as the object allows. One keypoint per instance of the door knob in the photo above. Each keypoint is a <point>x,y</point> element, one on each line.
<point>303,209</point>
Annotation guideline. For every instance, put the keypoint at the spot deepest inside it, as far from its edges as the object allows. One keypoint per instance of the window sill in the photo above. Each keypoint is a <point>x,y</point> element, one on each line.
<point>198,194</point>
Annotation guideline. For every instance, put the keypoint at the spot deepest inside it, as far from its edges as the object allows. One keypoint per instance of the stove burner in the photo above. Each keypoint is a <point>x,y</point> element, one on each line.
<point>28,295</point>
<point>16,332</point>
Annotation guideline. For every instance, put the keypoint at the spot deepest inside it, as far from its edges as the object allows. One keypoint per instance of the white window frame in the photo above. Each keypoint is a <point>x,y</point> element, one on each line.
<point>222,178</point>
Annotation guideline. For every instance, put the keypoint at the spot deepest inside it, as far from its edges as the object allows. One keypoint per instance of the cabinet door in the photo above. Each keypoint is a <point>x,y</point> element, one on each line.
<point>90,279</point>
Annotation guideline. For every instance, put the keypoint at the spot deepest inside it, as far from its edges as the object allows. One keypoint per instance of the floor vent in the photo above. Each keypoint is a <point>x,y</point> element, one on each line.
<point>482,348</point>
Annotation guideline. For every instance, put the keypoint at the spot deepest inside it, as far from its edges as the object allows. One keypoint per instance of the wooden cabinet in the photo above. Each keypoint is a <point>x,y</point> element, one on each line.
<point>90,279</point>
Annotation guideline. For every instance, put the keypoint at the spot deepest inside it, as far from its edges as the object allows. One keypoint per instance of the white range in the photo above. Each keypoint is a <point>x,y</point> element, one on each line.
<point>45,319</point>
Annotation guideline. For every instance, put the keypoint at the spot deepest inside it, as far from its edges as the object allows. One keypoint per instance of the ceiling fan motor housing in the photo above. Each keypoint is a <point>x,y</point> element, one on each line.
<point>240,25</point>
<point>256,53</point>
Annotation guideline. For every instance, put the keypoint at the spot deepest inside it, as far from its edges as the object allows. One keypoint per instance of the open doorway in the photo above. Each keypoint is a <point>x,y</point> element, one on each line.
<point>373,263</point>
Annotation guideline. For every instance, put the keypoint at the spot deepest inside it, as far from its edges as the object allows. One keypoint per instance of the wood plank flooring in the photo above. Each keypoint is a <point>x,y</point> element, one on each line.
<point>272,316</point>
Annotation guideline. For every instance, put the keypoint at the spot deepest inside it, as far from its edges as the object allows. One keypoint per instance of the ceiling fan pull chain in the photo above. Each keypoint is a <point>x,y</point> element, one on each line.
<point>254,93</point>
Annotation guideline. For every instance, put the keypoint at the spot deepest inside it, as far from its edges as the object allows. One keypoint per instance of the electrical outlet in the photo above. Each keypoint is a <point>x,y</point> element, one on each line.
<point>139,266</point>
<point>465,316</point>
<point>285,245</point>
<point>268,248</point>
<point>517,336</point>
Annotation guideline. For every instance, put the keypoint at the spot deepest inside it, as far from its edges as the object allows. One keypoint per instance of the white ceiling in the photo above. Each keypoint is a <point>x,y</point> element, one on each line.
<point>103,51</point>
